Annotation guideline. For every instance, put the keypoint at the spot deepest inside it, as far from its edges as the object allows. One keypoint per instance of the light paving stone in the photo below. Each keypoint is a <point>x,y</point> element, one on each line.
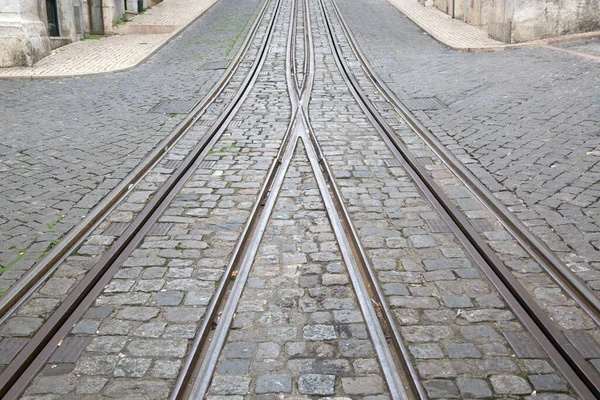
<point>107,344</point>
<point>139,313</point>
<point>165,369</point>
<point>132,367</point>
<point>90,385</point>
<point>509,384</point>
<point>277,383</point>
<point>426,351</point>
<point>160,348</point>
<point>319,332</point>
<point>316,384</point>
<point>363,385</point>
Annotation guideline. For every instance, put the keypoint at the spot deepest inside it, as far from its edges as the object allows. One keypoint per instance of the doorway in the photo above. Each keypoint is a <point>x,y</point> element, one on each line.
<point>52,14</point>
<point>96,18</point>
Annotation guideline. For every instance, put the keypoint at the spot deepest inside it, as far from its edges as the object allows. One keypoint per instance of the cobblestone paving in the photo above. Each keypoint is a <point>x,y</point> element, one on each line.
<point>553,300</point>
<point>70,272</point>
<point>525,122</point>
<point>68,142</point>
<point>159,295</point>
<point>591,47</point>
<point>451,318</point>
<point>298,331</point>
<point>298,328</point>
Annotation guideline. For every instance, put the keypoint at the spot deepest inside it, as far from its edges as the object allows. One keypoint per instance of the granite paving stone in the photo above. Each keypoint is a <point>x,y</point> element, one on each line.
<point>449,302</point>
<point>69,141</point>
<point>145,329</point>
<point>521,124</point>
<point>528,133</point>
<point>309,354</point>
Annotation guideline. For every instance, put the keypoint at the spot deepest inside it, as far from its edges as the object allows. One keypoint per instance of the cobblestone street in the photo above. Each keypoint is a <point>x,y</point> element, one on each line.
<point>95,131</point>
<point>524,122</point>
<point>305,199</point>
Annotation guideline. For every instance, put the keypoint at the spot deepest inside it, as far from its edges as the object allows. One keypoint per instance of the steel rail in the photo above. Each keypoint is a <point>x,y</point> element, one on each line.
<point>209,342</point>
<point>304,92</point>
<point>297,132</point>
<point>215,344</point>
<point>307,47</point>
<point>24,367</point>
<point>356,257</point>
<point>568,280</point>
<point>578,372</point>
<point>392,369</point>
<point>413,389</point>
<point>394,364</point>
<point>20,291</point>
<point>291,44</point>
<point>185,384</point>
<point>290,58</point>
<point>194,379</point>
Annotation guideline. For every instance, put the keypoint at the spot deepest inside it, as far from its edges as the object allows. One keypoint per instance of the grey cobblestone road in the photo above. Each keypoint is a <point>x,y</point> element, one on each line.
<point>140,328</point>
<point>450,317</point>
<point>298,327</point>
<point>525,122</point>
<point>73,269</point>
<point>298,331</point>
<point>555,302</point>
<point>68,142</point>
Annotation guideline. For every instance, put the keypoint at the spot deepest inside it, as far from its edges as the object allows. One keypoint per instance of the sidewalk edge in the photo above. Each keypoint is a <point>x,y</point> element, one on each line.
<point>506,46</point>
<point>116,70</point>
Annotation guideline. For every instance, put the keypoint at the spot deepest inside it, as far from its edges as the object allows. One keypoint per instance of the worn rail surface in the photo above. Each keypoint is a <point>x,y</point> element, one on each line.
<point>401,376</point>
<point>29,361</point>
<point>581,375</point>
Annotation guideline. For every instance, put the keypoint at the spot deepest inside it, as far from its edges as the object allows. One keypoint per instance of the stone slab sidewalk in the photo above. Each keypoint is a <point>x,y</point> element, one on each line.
<point>459,35</point>
<point>138,40</point>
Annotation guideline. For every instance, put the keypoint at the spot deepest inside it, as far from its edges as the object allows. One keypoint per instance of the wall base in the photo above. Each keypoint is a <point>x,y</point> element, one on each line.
<point>22,43</point>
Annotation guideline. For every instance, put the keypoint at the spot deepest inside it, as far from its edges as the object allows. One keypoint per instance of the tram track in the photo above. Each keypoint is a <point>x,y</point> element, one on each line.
<point>20,291</point>
<point>564,276</point>
<point>28,362</point>
<point>395,359</point>
<point>401,376</point>
<point>579,373</point>
<point>195,376</point>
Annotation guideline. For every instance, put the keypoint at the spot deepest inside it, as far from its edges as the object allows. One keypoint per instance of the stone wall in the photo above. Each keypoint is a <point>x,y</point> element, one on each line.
<point>514,21</point>
<point>23,36</point>
<point>112,11</point>
<point>536,19</point>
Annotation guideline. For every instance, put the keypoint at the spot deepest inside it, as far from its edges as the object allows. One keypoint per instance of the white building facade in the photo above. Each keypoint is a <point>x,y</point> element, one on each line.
<point>515,21</point>
<point>29,29</point>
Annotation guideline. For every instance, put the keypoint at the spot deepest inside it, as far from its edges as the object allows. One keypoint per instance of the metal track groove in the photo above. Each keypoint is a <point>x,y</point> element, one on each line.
<point>537,249</point>
<point>578,372</point>
<point>24,367</point>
